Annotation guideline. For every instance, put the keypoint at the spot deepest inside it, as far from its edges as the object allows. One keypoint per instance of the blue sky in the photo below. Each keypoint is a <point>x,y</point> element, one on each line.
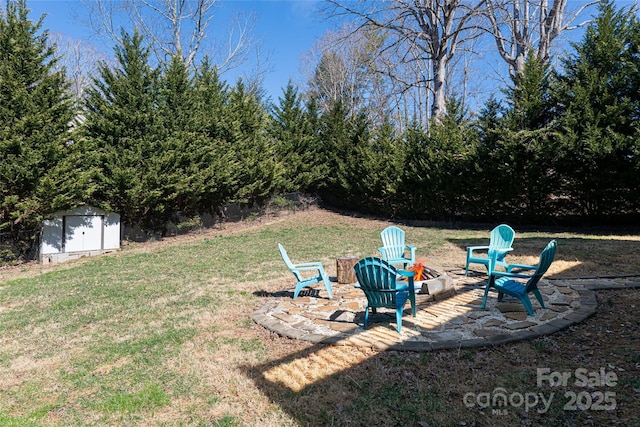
<point>287,29</point>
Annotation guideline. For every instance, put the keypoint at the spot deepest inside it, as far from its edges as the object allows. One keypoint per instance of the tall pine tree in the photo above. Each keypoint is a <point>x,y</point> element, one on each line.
<point>525,154</point>
<point>122,126</point>
<point>213,181</point>
<point>436,166</point>
<point>598,100</point>
<point>296,144</point>
<point>166,179</point>
<point>35,116</point>
<point>258,175</point>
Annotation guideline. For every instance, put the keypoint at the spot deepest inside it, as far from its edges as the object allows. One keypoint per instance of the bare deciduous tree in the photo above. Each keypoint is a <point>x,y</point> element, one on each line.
<point>521,27</point>
<point>334,69</point>
<point>347,65</point>
<point>79,59</point>
<point>174,28</point>
<point>424,33</point>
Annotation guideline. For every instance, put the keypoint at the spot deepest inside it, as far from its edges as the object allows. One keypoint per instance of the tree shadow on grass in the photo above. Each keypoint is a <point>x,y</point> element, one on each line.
<point>338,385</point>
<point>346,385</point>
<point>342,385</point>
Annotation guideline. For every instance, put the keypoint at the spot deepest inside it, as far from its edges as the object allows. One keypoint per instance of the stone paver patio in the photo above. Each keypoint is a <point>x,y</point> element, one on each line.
<point>449,319</point>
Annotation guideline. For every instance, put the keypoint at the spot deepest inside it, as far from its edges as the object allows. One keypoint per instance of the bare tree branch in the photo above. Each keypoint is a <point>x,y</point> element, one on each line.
<point>174,28</point>
<point>79,59</point>
<point>431,31</point>
<point>523,26</point>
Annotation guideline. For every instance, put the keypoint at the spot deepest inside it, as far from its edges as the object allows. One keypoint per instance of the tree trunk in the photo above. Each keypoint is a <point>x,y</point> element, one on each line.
<point>439,108</point>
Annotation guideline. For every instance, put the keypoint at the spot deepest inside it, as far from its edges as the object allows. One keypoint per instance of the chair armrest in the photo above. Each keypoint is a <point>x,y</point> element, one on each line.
<point>496,274</point>
<point>412,252</point>
<point>307,267</point>
<point>499,253</point>
<point>476,248</point>
<point>405,273</point>
<point>409,283</point>
<point>383,252</point>
<point>521,267</point>
<point>307,264</point>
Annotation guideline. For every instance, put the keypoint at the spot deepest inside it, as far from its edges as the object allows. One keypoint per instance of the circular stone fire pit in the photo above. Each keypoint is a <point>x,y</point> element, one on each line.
<point>448,316</point>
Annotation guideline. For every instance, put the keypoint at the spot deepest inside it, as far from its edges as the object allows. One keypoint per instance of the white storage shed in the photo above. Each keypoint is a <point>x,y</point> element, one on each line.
<point>84,231</point>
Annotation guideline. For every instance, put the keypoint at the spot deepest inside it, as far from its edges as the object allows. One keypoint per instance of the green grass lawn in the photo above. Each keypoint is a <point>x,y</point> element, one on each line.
<point>160,334</point>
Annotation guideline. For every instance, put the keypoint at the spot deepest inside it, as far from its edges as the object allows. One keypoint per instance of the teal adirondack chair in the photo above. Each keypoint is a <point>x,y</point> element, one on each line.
<point>393,249</point>
<point>505,283</point>
<point>379,281</point>
<point>301,273</point>
<point>500,241</point>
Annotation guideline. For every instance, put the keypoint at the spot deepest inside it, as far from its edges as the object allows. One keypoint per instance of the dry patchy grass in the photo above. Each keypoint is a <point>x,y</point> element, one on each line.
<point>159,334</point>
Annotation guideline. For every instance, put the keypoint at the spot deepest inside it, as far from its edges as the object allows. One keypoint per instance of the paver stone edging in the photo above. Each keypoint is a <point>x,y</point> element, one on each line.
<point>584,306</point>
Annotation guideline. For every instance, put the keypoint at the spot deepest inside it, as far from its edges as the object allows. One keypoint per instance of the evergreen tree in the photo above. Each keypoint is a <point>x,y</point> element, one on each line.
<point>257,174</point>
<point>363,163</point>
<point>314,123</point>
<point>528,98</point>
<point>488,130</point>
<point>377,171</point>
<point>416,189</point>
<point>177,100</point>
<point>212,99</point>
<point>122,126</point>
<point>296,144</point>
<point>335,132</point>
<point>598,101</point>
<point>525,155</point>
<point>435,175</point>
<point>35,117</point>
<point>354,165</point>
<point>213,178</point>
<point>167,180</point>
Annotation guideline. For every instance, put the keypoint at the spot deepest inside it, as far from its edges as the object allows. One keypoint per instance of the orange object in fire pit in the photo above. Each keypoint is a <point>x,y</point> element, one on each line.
<point>418,269</point>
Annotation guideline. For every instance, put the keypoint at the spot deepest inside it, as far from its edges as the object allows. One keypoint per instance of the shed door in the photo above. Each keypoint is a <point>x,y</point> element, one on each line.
<point>83,233</point>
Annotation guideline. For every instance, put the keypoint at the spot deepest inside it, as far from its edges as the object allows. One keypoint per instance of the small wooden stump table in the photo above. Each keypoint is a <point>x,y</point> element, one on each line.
<point>344,269</point>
